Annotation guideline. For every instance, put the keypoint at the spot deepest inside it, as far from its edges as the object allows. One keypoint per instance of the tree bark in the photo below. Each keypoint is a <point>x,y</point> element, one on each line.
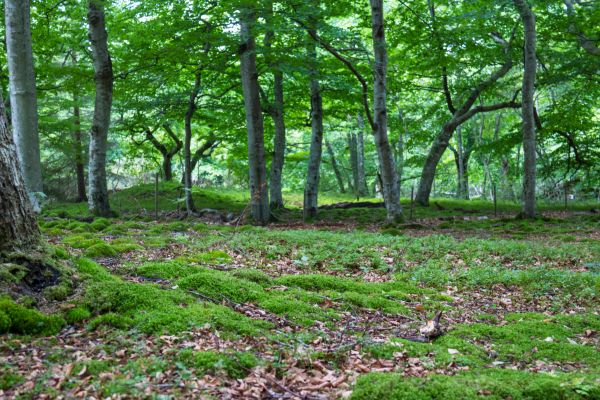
<point>360,158</point>
<point>311,188</point>
<point>336,169</point>
<point>259,191</point>
<point>387,164</point>
<point>353,147</point>
<point>103,77</point>
<point>527,107</point>
<point>276,111</point>
<point>23,98</point>
<point>78,149</point>
<point>187,151</point>
<point>19,231</point>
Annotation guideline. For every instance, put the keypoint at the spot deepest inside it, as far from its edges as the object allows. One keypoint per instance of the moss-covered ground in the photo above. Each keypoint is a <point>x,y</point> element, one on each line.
<point>185,308</point>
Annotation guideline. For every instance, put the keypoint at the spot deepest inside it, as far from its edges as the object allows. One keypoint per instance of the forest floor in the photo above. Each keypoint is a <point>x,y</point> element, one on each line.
<point>189,308</point>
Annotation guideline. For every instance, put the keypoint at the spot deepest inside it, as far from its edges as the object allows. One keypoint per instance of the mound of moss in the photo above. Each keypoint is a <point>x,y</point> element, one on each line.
<point>15,318</point>
<point>489,385</point>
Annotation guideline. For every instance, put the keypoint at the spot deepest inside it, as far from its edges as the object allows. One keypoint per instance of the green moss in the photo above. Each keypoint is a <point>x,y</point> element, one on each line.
<point>91,271</point>
<point>8,378</point>
<point>216,284</point>
<point>5,322</point>
<point>27,321</point>
<point>83,241</point>
<point>166,270</point>
<point>126,247</point>
<point>112,320</point>
<point>77,314</point>
<point>213,257</point>
<point>58,292</point>
<point>236,365</point>
<point>99,224</point>
<point>12,273</point>
<point>253,275</point>
<point>60,253</point>
<point>155,310</point>
<point>492,385</point>
<point>100,250</point>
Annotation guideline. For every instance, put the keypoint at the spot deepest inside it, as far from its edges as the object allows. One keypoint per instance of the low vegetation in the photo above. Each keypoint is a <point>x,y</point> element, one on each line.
<point>184,308</point>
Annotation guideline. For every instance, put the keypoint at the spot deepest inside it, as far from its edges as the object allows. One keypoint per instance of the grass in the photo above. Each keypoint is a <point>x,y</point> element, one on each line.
<point>520,299</point>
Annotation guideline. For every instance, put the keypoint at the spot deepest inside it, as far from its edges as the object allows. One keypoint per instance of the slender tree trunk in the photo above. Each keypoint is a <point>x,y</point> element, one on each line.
<point>103,76</point>
<point>187,143</point>
<point>360,158</point>
<point>400,148</point>
<point>353,147</point>
<point>78,149</point>
<point>527,107</point>
<point>387,165</point>
<point>311,189</point>
<point>259,191</point>
<point>336,169</point>
<point>277,113</point>
<point>23,94</point>
<point>460,191</point>
<point>18,228</point>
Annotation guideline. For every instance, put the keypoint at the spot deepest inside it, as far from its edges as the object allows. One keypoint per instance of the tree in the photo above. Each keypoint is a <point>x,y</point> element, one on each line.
<point>18,228</point>
<point>103,77</point>
<point>259,192</point>
<point>527,107</point>
<point>461,113</point>
<point>23,98</point>
<point>167,153</point>
<point>387,164</point>
<point>276,110</point>
<point>311,189</point>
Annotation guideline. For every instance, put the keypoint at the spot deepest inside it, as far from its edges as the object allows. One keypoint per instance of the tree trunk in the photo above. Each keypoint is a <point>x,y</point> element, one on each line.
<point>259,191</point>
<point>527,108</point>
<point>334,165</point>
<point>400,148</point>
<point>18,228</point>
<point>166,153</point>
<point>187,143</point>
<point>277,114</point>
<point>387,165</point>
<point>360,158</point>
<point>353,147</point>
<point>460,191</point>
<point>103,77</point>
<point>311,189</point>
<point>23,99</point>
<point>78,149</point>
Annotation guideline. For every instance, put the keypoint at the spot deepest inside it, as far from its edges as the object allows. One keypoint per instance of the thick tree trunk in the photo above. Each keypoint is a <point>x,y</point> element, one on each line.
<point>277,114</point>
<point>336,169</point>
<point>311,188</point>
<point>360,158</point>
<point>18,228</point>
<point>387,165</point>
<point>527,107</point>
<point>103,77</point>
<point>23,99</point>
<point>353,147</point>
<point>259,191</point>
<point>78,149</point>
